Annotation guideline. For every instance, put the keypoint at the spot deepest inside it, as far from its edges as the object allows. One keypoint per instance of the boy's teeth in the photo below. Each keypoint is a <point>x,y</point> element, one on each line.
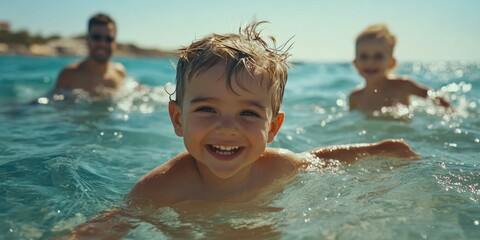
<point>225,148</point>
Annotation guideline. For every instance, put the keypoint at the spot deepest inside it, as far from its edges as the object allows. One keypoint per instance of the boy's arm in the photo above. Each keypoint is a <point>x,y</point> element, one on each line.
<point>422,91</point>
<point>353,152</point>
<point>112,224</point>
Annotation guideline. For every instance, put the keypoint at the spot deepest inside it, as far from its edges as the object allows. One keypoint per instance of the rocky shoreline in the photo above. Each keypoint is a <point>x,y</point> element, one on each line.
<point>76,47</point>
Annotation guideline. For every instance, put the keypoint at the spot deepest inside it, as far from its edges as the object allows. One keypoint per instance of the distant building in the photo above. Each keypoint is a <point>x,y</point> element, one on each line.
<point>5,26</point>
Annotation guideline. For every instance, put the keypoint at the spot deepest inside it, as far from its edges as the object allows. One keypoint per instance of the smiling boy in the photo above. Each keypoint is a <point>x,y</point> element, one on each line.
<point>227,109</point>
<point>374,60</point>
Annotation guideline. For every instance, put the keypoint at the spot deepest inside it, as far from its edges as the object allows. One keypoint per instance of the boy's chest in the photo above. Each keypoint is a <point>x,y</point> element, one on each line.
<point>387,98</point>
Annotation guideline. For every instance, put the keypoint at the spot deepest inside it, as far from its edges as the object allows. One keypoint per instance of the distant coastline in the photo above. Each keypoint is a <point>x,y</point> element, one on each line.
<point>21,43</point>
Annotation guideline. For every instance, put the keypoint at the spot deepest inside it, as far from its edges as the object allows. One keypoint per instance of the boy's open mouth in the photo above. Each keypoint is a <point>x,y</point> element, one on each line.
<point>224,150</point>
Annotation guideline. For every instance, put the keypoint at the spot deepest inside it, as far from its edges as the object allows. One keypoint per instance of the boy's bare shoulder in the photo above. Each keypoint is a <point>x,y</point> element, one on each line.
<point>354,97</point>
<point>281,160</point>
<point>356,92</point>
<point>409,86</point>
<point>401,81</point>
<point>160,186</point>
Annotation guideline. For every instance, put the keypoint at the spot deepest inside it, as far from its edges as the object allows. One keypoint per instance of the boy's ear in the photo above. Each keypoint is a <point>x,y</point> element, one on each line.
<point>275,125</point>
<point>175,113</point>
<point>393,63</point>
<point>354,62</point>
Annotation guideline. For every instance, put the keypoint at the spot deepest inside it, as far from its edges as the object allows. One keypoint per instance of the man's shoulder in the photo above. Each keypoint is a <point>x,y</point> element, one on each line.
<point>119,68</point>
<point>69,75</point>
<point>73,66</point>
<point>71,70</point>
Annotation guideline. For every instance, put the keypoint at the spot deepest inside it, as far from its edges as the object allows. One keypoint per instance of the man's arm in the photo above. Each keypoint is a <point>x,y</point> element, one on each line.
<point>353,152</point>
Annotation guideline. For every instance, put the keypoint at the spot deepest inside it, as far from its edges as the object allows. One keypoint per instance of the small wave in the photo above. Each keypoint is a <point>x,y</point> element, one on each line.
<point>132,97</point>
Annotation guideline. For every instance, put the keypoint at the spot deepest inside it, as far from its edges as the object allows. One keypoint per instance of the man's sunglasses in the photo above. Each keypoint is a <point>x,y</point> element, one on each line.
<point>98,37</point>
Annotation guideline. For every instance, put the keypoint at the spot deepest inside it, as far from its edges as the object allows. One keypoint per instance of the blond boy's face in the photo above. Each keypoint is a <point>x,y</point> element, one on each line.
<point>373,59</point>
<point>223,130</point>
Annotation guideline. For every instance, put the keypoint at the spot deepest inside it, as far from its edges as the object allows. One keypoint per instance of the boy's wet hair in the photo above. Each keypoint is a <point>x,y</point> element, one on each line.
<point>245,51</point>
<point>100,19</point>
<point>377,31</point>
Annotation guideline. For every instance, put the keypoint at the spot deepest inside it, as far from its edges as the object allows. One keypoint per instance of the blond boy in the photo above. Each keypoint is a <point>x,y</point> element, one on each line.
<point>374,61</point>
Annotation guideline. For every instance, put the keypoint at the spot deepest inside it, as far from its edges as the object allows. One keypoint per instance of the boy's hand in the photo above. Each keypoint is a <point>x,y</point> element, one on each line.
<point>396,148</point>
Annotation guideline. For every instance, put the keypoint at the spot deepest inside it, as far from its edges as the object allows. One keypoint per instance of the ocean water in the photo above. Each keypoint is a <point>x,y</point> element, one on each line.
<point>65,161</point>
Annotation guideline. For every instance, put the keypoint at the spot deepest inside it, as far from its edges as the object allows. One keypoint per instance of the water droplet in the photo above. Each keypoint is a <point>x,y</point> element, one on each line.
<point>452,145</point>
<point>443,165</point>
<point>42,100</point>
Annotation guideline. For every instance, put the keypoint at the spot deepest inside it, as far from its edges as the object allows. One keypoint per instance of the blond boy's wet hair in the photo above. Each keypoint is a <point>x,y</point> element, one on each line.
<point>377,31</point>
<point>243,51</point>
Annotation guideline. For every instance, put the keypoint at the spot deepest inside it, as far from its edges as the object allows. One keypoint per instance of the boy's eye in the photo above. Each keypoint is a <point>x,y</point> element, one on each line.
<point>249,113</point>
<point>205,109</point>
<point>378,57</point>
<point>363,57</point>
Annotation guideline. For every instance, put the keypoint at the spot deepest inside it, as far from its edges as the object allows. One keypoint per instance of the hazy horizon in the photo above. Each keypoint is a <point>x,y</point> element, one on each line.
<point>321,30</point>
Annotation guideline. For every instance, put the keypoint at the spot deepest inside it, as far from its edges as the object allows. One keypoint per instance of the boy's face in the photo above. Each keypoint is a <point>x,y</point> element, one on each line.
<point>101,42</point>
<point>225,131</point>
<point>373,59</point>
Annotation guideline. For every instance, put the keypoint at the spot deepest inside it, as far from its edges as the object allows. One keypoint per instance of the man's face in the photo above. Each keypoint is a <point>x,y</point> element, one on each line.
<point>101,42</point>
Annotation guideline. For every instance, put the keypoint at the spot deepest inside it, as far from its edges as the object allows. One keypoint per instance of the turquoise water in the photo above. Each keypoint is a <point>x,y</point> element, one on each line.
<point>63,162</point>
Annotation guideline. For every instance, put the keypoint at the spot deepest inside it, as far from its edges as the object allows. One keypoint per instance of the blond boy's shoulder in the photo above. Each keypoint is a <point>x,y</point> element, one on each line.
<point>357,91</point>
<point>400,80</point>
<point>354,97</point>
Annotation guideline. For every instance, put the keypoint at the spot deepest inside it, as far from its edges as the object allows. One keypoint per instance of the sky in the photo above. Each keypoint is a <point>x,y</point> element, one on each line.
<point>426,30</point>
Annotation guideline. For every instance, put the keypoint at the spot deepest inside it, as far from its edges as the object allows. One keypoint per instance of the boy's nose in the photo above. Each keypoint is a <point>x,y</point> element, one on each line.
<point>227,126</point>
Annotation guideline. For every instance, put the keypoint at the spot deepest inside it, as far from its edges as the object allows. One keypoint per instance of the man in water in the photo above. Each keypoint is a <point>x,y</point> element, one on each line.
<point>96,75</point>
